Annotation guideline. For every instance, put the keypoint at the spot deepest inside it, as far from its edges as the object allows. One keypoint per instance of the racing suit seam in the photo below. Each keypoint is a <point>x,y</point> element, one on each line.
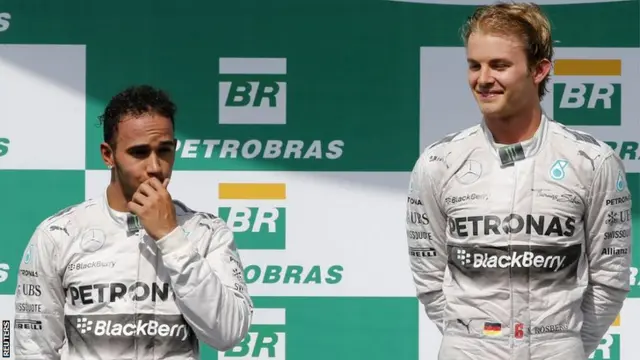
<point>169,246</point>
<point>53,242</point>
<point>198,286</point>
<point>180,294</point>
<point>193,252</point>
<point>441,272</point>
<point>590,197</point>
<point>612,292</point>
<point>595,176</point>
<point>432,185</point>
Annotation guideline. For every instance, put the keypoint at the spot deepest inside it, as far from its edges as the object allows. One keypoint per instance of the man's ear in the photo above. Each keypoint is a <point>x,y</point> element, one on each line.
<point>107,154</point>
<point>541,71</point>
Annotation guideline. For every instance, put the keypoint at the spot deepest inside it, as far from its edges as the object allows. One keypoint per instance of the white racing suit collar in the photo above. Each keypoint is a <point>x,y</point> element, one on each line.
<point>509,154</point>
<point>125,219</point>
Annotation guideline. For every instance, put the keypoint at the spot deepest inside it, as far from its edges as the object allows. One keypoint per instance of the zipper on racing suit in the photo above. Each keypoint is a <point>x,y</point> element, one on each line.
<point>513,203</point>
<point>139,237</point>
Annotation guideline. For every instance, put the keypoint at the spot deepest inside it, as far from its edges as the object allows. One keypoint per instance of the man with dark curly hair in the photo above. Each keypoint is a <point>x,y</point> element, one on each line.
<point>133,273</point>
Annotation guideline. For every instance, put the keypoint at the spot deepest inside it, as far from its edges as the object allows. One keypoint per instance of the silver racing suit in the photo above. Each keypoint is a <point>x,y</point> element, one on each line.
<point>520,251</point>
<point>93,285</point>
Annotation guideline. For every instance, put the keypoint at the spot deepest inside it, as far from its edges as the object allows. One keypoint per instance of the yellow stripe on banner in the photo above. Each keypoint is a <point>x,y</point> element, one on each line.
<point>252,191</point>
<point>587,67</point>
<point>616,322</point>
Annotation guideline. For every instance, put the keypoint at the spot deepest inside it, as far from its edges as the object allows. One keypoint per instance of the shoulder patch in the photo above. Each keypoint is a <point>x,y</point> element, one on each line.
<point>66,211</point>
<point>584,137</point>
<point>60,213</point>
<point>208,220</point>
<point>184,208</point>
<point>444,140</point>
<point>207,215</point>
<point>459,135</point>
<point>580,135</point>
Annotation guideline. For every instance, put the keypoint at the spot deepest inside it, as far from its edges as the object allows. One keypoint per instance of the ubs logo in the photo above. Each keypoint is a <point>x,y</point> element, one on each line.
<point>617,217</point>
<point>29,290</point>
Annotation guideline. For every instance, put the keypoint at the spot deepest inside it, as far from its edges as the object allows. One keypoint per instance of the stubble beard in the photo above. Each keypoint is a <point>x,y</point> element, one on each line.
<point>121,181</point>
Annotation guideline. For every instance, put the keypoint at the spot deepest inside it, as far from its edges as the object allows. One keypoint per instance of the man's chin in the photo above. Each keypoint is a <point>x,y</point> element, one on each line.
<point>492,110</point>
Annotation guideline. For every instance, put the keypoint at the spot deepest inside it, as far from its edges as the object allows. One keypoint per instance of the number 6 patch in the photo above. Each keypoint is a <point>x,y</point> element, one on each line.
<point>518,331</point>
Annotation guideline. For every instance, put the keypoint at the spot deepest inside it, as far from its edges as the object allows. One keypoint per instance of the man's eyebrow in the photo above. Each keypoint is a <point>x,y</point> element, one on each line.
<point>138,146</point>
<point>162,143</point>
<point>491,61</point>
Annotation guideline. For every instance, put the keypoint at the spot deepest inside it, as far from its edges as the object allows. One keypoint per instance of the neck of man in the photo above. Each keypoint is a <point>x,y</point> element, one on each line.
<point>115,197</point>
<point>516,128</point>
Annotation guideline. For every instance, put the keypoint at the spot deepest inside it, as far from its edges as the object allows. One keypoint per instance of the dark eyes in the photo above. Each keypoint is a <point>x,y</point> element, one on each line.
<point>497,66</point>
<point>144,152</point>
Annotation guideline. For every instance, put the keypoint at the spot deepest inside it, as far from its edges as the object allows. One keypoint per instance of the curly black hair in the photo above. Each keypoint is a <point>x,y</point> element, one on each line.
<point>135,100</point>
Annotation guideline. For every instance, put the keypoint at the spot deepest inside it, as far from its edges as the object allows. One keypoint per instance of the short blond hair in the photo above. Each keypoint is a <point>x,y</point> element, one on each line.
<point>525,20</point>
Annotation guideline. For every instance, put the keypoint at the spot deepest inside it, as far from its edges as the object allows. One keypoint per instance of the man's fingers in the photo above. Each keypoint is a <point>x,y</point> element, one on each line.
<point>155,184</point>
<point>146,189</point>
<point>139,198</point>
<point>134,207</point>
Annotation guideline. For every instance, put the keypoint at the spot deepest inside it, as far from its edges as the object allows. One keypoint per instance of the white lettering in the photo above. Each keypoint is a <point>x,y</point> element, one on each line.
<point>605,96</point>
<point>335,149</point>
<point>239,219</point>
<point>211,144</point>
<point>251,149</point>
<point>4,21</point>
<point>4,272</point>
<point>515,260</point>
<point>100,328</point>
<point>273,149</point>
<point>294,147</point>
<point>164,330</point>
<point>254,148</point>
<point>152,325</point>
<point>190,149</point>
<point>267,217</point>
<point>141,328</point>
<point>605,349</point>
<point>315,150</point>
<point>230,147</point>
<point>573,96</point>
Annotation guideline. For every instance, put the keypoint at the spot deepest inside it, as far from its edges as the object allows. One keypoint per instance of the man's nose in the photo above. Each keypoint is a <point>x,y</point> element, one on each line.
<point>153,164</point>
<point>486,77</point>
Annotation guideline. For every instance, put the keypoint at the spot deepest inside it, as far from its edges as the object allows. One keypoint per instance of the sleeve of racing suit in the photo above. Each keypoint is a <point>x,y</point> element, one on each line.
<point>39,302</point>
<point>425,226</point>
<point>608,250</point>
<point>210,288</point>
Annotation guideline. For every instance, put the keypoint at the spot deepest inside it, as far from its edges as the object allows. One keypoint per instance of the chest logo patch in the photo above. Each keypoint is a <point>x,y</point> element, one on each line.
<point>469,172</point>
<point>92,240</point>
<point>620,183</point>
<point>557,171</point>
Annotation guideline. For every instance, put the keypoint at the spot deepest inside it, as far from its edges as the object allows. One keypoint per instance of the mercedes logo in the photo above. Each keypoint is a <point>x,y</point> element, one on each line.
<point>469,172</point>
<point>92,240</point>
